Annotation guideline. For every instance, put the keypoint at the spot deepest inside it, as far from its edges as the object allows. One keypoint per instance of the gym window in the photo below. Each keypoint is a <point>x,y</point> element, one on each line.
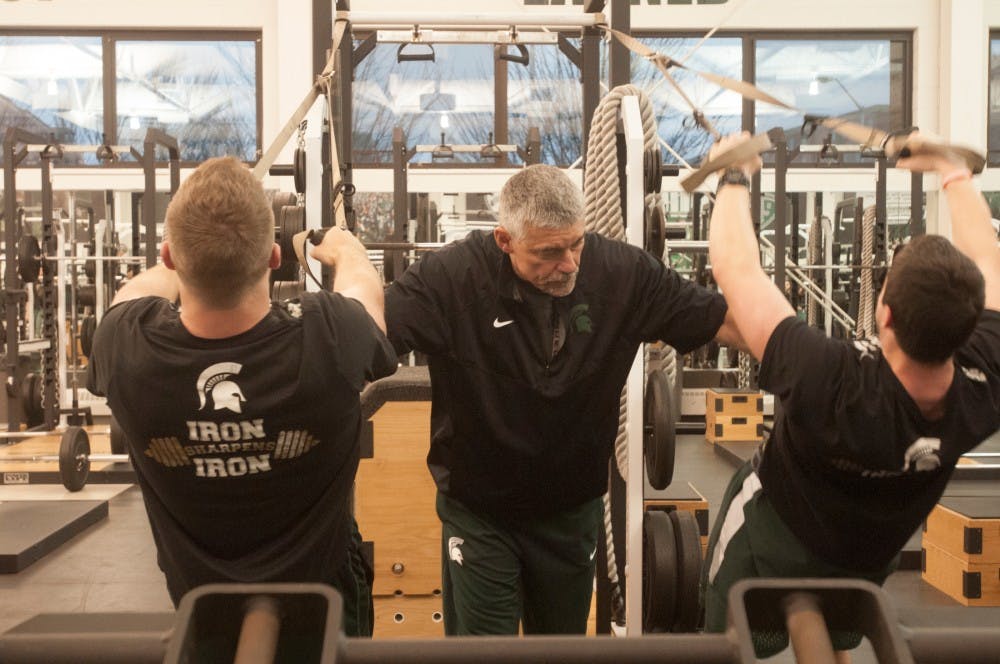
<point>723,108</point>
<point>52,86</point>
<point>546,94</point>
<point>91,87</point>
<point>450,96</point>
<point>864,79</point>
<point>993,130</point>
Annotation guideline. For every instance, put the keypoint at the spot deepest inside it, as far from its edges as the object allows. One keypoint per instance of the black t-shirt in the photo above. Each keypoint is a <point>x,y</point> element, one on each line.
<point>246,447</point>
<point>853,467</point>
<point>517,429</point>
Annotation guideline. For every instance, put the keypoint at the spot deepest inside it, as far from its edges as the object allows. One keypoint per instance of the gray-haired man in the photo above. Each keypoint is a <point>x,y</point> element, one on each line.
<point>530,333</point>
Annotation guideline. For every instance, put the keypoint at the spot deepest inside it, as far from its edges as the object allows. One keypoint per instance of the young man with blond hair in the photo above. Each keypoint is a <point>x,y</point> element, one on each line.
<point>242,414</point>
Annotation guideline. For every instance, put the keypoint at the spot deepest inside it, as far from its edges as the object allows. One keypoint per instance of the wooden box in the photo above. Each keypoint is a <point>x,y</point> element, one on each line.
<point>971,584</point>
<point>408,616</point>
<point>967,527</point>
<point>394,501</point>
<point>727,428</point>
<point>733,402</point>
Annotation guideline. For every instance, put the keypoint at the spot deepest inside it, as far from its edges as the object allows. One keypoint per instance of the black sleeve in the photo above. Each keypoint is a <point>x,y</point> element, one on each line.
<point>415,314</point>
<point>101,363</point>
<point>675,310</point>
<point>363,353</point>
<point>801,365</point>
<point>982,350</point>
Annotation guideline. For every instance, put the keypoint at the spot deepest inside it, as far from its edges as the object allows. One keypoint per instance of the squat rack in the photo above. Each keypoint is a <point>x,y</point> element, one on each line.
<point>17,146</point>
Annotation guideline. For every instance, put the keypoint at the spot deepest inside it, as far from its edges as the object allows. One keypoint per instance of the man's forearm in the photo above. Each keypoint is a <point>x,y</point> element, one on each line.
<point>971,228</point>
<point>357,278</point>
<point>733,248</point>
<point>972,233</point>
<point>157,281</point>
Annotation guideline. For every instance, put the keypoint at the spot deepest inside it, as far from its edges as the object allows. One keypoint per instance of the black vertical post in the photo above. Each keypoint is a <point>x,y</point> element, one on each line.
<point>917,226</point>
<point>149,199</point>
<point>881,211</point>
<point>780,143</point>
<point>345,104</point>
<point>819,276</point>
<point>590,82</point>
<point>50,330</point>
<point>393,261</point>
<point>322,31</point>
<point>619,57</point>
<point>749,124</point>
<point>501,130</point>
<point>13,297</point>
<point>798,202</point>
<point>696,198</point>
<point>136,217</point>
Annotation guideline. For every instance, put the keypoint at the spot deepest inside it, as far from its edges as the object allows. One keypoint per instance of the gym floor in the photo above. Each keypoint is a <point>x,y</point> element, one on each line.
<point>111,566</point>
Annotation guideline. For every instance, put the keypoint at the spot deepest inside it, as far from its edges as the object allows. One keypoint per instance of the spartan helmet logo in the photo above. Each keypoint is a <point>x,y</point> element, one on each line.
<point>225,393</point>
<point>922,455</point>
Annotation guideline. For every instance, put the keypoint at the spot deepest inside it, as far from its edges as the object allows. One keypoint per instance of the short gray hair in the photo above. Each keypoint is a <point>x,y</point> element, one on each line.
<point>540,196</point>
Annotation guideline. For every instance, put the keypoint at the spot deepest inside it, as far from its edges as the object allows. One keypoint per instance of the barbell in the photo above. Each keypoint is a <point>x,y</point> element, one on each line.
<point>30,257</point>
<point>74,454</point>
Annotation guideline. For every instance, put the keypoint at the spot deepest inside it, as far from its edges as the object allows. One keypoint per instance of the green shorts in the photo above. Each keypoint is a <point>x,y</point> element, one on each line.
<point>499,574</point>
<point>749,540</point>
<point>354,582</point>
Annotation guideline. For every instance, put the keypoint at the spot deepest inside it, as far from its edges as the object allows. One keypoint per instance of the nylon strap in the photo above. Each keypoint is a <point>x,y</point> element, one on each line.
<point>322,85</point>
<point>894,145</point>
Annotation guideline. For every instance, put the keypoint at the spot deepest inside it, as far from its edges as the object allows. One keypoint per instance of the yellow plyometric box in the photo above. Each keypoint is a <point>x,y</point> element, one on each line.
<point>403,616</point>
<point>394,501</point>
<point>972,584</point>
<point>966,527</point>
<point>733,402</point>
<point>727,428</point>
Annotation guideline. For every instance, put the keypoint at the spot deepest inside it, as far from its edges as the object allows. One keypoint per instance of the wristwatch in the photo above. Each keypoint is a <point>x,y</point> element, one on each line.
<point>733,175</point>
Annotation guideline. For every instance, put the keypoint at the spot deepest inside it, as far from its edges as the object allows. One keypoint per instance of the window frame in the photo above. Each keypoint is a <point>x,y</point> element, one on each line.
<point>109,39</point>
<point>992,156</point>
<point>750,38</point>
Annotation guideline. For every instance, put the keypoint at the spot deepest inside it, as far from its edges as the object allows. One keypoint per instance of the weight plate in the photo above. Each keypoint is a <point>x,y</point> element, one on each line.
<point>655,230</point>
<point>299,170</point>
<point>88,325</point>
<point>74,458</point>
<point>86,295</point>
<point>29,258</point>
<point>31,399</point>
<point>659,431</point>
<point>688,536</point>
<point>287,290</point>
<point>280,200</point>
<point>659,572</point>
<point>291,220</point>
<point>652,170</point>
<point>119,444</point>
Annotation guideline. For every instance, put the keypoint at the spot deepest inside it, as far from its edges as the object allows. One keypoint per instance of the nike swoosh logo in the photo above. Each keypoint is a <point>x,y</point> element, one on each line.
<point>497,323</point>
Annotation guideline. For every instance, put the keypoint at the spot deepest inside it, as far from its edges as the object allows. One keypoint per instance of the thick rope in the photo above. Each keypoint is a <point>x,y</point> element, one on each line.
<point>600,187</point>
<point>866,298</point>
<point>602,195</point>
